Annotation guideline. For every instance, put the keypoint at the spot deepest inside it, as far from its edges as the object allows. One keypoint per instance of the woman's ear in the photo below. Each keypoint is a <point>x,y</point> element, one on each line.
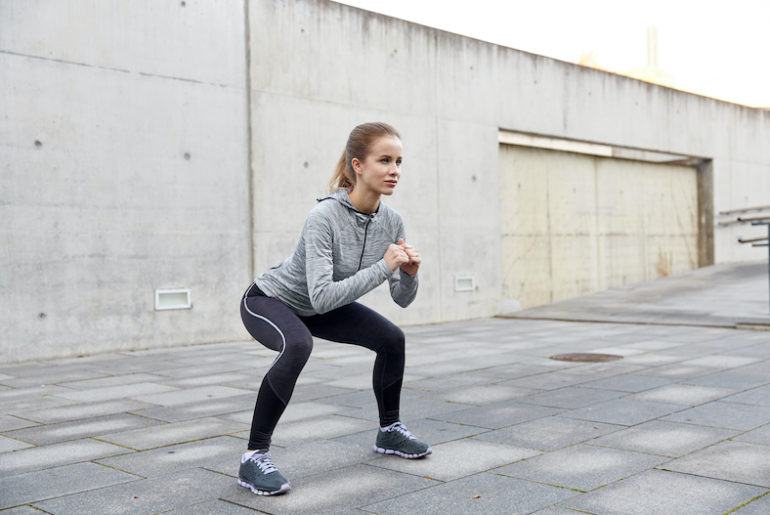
<point>356,164</point>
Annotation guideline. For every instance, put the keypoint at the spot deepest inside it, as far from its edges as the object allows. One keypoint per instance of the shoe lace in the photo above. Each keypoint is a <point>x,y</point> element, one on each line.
<point>264,462</point>
<point>401,428</point>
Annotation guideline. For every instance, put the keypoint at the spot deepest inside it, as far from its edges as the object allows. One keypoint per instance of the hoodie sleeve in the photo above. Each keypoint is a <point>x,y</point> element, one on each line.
<point>403,287</point>
<point>325,293</point>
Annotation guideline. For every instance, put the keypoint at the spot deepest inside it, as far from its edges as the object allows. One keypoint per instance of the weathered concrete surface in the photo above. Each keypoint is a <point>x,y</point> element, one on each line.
<point>123,155</point>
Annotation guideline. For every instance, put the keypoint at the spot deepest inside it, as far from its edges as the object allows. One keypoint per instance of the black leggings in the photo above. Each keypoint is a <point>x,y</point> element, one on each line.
<point>277,327</point>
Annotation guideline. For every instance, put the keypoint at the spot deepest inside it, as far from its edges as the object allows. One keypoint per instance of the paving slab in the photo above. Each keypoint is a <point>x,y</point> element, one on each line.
<point>188,395</point>
<point>758,506</point>
<point>656,492</point>
<point>174,433</point>
<point>724,414</point>
<point>645,342</point>
<point>220,454</point>
<point>36,486</point>
<point>549,433</point>
<point>78,383</point>
<point>154,495</point>
<point>497,415</point>
<point>742,378</point>
<point>731,461</point>
<point>199,409</point>
<point>688,395</point>
<point>759,396</point>
<point>113,392</point>
<point>448,383</point>
<point>665,438</point>
<point>83,428</point>
<point>322,493</point>
<point>21,376</point>
<point>11,397</point>
<point>54,455</point>
<point>760,436</point>
<point>480,493</point>
<point>315,391</point>
<point>626,411</point>
<point>11,423</point>
<point>723,361</point>
<point>217,507</point>
<point>582,467</point>
<point>10,444</point>
<point>79,411</point>
<point>630,383</point>
<point>292,433</point>
<point>457,459</point>
<point>413,405</point>
<point>571,397</point>
<point>548,381</point>
<point>660,358</point>
<point>229,379</point>
<point>482,394</point>
<point>181,372</point>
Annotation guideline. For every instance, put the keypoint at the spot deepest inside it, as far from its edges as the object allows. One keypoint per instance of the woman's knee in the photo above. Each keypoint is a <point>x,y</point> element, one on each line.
<point>394,341</point>
<point>300,348</point>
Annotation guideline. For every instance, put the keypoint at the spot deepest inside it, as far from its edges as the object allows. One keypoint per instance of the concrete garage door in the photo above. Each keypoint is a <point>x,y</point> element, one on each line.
<point>574,224</point>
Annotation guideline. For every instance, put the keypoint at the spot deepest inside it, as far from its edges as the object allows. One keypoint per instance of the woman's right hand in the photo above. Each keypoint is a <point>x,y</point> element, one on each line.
<point>395,256</point>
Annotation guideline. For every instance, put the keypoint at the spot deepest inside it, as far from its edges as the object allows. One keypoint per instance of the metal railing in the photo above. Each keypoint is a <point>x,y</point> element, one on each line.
<point>763,241</point>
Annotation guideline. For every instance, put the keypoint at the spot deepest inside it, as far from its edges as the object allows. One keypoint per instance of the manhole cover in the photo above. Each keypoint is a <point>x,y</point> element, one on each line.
<point>586,357</point>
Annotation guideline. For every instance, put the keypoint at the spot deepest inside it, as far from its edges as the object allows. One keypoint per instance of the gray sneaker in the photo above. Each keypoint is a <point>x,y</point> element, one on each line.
<point>396,439</point>
<point>259,474</point>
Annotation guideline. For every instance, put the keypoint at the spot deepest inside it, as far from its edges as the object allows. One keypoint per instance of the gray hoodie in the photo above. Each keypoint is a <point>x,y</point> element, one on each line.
<point>339,258</point>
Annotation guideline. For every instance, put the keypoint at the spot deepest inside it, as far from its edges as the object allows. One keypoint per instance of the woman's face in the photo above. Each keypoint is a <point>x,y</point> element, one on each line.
<point>381,169</point>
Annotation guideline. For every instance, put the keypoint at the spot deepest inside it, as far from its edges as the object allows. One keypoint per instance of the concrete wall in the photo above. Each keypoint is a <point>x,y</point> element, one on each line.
<point>123,155</point>
<point>174,135</point>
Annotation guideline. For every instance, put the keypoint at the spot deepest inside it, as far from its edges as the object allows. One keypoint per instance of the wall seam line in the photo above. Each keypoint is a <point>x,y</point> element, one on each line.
<point>249,152</point>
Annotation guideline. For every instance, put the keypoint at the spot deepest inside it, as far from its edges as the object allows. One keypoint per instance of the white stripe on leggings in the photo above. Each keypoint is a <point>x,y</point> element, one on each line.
<point>283,338</point>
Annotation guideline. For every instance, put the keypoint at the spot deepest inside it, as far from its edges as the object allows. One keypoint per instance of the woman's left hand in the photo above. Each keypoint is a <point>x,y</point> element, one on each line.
<point>414,258</point>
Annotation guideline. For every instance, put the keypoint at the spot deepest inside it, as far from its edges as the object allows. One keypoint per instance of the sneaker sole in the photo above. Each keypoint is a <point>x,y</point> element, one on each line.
<point>402,454</point>
<point>284,488</point>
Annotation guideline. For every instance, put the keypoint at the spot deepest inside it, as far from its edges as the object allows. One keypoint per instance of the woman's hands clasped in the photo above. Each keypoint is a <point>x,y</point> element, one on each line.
<point>404,256</point>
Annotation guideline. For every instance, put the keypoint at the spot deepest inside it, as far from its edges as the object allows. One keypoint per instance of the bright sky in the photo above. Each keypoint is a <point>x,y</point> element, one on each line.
<point>716,48</point>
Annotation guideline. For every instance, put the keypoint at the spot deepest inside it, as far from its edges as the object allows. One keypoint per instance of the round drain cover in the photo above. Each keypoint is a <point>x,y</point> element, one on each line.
<point>586,357</point>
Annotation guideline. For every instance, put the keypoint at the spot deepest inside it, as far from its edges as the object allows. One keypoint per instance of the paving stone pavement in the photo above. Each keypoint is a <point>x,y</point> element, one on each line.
<point>679,425</point>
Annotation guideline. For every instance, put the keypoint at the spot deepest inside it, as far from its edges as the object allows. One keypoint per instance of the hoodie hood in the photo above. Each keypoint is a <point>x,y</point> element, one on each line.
<point>342,196</point>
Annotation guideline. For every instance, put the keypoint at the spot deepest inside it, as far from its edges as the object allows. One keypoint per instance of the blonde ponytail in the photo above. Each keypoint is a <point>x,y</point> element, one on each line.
<point>341,179</point>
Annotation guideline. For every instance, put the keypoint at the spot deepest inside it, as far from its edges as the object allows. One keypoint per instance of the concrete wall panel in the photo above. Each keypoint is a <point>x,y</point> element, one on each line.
<point>332,53</point>
<point>194,41</point>
<point>115,183</point>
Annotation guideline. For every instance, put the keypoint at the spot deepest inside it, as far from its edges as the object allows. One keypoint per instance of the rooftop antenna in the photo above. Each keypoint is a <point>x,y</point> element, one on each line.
<point>652,47</point>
